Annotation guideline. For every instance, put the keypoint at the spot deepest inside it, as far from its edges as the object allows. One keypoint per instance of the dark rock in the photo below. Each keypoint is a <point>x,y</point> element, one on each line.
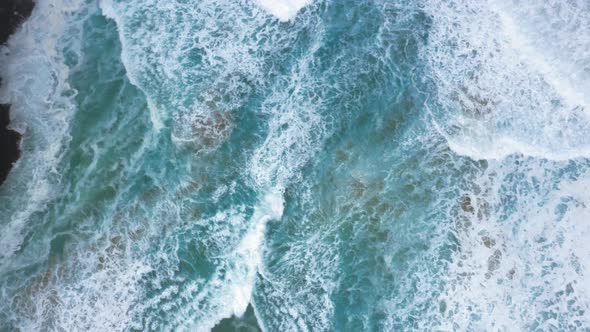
<point>466,204</point>
<point>246,323</point>
<point>9,141</point>
<point>12,14</point>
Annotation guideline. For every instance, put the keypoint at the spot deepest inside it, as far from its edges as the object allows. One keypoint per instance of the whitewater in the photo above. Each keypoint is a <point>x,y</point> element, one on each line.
<point>298,165</point>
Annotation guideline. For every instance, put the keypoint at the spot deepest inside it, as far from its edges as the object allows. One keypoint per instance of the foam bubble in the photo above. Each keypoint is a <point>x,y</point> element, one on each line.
<point>284,10</point>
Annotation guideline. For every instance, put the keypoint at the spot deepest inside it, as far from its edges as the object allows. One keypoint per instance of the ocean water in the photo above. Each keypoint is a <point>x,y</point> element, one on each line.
<point>298,165</point>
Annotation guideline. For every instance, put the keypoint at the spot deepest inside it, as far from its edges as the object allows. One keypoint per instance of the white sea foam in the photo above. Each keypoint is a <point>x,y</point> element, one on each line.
<point>229,290</point>
<point>512,76</point>
<point>284,10</point>
<point>195,68</point>
<point>155,116</point>
<point>295,127</point>
<point>521,266</point>
<point>274,164</point>
<point>35,84</point>
<point>270,208</point>
<point>543,239</point>
<point>160,48</point>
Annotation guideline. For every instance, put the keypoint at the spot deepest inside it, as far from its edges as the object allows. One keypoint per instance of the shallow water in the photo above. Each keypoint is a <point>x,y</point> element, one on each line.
<point>307,166</point>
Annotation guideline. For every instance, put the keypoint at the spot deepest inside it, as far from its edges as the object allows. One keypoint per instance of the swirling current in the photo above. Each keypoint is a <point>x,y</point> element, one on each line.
<point>298,165</point>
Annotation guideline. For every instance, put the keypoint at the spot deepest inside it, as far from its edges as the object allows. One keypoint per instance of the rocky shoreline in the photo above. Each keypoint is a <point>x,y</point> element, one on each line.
<point>12,14</point>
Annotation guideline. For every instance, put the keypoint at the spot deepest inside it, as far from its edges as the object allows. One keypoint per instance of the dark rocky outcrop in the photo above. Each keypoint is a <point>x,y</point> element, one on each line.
<point>12,14</point>
<point>9,140</point>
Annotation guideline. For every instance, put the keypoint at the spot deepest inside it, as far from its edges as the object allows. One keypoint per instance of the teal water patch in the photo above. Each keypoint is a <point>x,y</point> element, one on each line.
<point>217,168</point>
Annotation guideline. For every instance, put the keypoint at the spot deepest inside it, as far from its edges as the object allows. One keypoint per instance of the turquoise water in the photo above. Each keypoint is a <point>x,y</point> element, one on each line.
<point>366,165</point>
